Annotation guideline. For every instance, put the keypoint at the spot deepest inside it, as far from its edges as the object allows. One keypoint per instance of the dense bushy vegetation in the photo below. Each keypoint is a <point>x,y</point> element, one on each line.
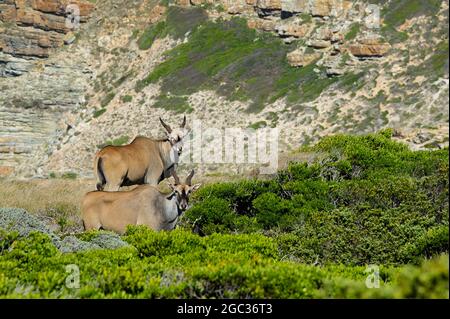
<point>363,199</point>
<point>181,264</point>
<point>309,232</point>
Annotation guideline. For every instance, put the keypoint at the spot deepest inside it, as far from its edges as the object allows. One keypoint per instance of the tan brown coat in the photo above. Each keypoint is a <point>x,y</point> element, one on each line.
<point>144,205</point>
<point>144,161</point>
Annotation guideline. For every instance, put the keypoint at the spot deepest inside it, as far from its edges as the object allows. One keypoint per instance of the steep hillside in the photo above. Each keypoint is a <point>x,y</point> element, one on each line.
<point>310,68</point>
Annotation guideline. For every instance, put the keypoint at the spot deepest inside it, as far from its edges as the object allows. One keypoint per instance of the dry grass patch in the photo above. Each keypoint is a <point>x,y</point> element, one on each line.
<point>58,200</point>
<point>37,196</point>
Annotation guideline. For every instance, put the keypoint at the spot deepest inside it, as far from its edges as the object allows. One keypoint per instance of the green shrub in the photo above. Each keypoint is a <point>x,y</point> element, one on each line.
<point>179,21</point>
<point>97,113</point>
<point>108,98</point>
<point>428,281</point>
<point>353,32</point>
<point>147,38</point>
<point>215,214</point>
<point>6,239</point>
<point>270,209</point>
<point>179,264</point>
<point>378,156</point>
<point>69,175</point>
<point>363,190</point>
<point>116,142</point>
<point>429,244</point>
<point>126,98</point>
<point>362,236</point>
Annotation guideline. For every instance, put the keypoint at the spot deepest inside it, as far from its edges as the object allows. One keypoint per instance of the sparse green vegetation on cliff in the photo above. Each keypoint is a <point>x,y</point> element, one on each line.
<point>238,63</point>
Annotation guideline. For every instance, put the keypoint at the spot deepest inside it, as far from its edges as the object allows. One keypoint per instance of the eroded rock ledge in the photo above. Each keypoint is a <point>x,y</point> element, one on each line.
<point>30,29</point>
<point>36,90</point>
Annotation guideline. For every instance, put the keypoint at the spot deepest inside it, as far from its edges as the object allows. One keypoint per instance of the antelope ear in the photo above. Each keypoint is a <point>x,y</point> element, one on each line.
<point>195,187</point>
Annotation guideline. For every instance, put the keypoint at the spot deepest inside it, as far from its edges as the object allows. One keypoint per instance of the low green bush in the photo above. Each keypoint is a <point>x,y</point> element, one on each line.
<point>149,35</point>
<point>126,98</point>
<point>309,232</point>
<point>69,175</point>
<point>115,142</point>
<point>363,199</point>
<point>363,236</point>
<point>179,264</point>
<point>178,22</point>
<point>107,99</point>
<point>427,281</point>
<point>99,112</point>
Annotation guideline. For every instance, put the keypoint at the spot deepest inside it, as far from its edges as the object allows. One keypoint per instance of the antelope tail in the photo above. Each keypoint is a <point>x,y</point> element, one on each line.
<point>101,180</point>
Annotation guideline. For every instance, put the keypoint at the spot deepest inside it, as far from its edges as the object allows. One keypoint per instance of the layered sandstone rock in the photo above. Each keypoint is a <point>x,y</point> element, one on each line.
<point>198,2</point>
<point>293,29</point>
<point>29,42</point>
<point>369,47</point>
<point>319,8</point>
<point>269,4</point>
<point>36,91</point>
<point>261,24</point>
<point>298,58</point>
<point>295,6</point>
<point>318,44</point>
<point>266,8</point>
<point>239,6</point>
<point>36,26</point>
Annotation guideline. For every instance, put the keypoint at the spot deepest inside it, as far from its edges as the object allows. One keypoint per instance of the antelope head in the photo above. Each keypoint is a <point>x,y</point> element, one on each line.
<point>182,191</point>
<point>176,136</point>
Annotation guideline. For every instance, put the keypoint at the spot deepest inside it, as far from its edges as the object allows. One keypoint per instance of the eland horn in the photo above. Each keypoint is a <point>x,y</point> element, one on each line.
<point>167,127</point>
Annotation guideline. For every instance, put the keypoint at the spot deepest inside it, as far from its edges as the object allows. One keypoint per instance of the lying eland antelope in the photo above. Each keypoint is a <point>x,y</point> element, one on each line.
<point>144,205</point>
<point>144,161</point>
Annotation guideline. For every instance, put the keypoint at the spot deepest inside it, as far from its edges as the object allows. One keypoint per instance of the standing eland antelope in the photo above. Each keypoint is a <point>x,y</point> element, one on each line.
<point>144,161</point>
<point>144,205</point>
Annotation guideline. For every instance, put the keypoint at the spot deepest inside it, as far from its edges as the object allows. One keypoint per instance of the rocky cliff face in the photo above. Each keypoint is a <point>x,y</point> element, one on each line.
<point>39,85</point>
<point>329,66</point>
<point>32,28</point>
<point>321,25</point>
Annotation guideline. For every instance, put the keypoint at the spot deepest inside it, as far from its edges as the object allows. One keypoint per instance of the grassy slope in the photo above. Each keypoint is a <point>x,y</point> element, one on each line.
<point>247,65</point>
<point>238,62</point>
